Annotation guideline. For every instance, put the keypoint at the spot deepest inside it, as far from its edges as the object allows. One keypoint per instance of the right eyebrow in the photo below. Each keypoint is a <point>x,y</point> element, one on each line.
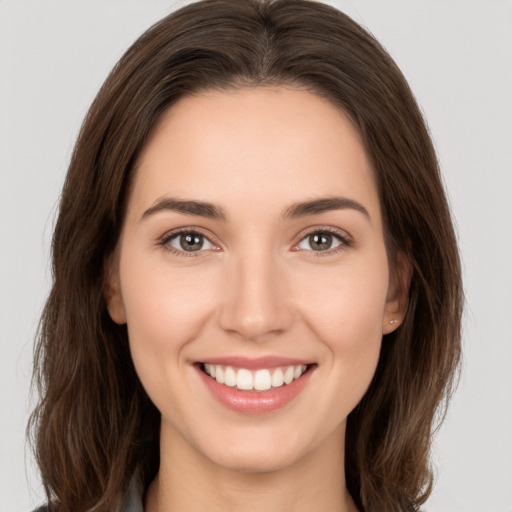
<point>322,205</point>
<point>187,207</point>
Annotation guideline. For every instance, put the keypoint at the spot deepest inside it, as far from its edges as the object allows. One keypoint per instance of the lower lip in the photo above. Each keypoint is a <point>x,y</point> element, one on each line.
<point>255,402</point>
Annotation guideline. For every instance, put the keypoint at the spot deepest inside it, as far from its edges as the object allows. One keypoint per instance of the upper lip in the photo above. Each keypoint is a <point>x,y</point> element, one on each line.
<point>253,363</point>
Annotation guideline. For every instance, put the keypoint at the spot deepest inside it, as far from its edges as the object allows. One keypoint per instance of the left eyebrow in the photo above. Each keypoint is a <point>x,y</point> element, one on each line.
<point>322,205</point>
<point>186,207</point>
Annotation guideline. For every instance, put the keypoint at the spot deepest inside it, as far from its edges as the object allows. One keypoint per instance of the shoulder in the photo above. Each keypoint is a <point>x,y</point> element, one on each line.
<point>132,501</point>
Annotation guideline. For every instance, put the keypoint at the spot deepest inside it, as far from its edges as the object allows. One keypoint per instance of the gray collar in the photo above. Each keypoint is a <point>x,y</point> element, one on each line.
<point>133,499</point>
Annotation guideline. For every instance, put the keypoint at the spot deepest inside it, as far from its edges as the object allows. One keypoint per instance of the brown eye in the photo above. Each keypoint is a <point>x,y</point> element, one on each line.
<point>322,241</point>
<point>189,241</point>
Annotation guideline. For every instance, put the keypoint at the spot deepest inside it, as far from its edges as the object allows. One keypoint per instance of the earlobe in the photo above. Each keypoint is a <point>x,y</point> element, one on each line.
<point>398,294</point>
<point>113,296</point>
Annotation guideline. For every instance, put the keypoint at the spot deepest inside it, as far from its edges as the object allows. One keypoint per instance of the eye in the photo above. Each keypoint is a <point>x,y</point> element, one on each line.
<point>323,241</point>
<point>187,241</point>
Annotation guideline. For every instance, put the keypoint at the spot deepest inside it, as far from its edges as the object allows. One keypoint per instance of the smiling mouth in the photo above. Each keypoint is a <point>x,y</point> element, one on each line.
<point>264,379</point>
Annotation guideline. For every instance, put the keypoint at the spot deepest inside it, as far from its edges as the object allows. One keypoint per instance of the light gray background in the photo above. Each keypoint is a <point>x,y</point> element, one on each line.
<point>457,56</point>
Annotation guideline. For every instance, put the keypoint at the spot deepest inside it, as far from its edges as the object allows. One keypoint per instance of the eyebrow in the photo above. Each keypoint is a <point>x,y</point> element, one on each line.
<point>294,211</point>
<point>322,205</point>
<point>187,207</point>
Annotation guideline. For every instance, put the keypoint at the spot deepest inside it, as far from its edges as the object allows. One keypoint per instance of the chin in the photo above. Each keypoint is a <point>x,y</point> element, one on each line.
<point>254,461</point>
<point>259,454</point>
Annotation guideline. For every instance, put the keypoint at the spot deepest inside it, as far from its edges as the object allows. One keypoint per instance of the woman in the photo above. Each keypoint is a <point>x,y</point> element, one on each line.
<point>257,297</point>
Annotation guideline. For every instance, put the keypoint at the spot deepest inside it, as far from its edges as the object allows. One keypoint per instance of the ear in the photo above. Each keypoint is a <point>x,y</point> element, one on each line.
<point>112,292</point>
<point>398,294</point>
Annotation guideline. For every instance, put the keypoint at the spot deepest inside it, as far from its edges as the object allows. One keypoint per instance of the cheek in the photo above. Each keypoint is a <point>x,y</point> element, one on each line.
<point>164,310</point>
<point>346,305</point>
<point>345,310</point>
<point>160,297</point>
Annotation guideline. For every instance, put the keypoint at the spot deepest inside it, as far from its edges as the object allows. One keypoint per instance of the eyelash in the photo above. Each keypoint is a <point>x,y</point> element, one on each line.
<point>344,239</point>
<point>166,239</point>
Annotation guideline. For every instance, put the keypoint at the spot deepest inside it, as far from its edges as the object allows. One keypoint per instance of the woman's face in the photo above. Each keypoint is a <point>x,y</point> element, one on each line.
<point>253,243</point>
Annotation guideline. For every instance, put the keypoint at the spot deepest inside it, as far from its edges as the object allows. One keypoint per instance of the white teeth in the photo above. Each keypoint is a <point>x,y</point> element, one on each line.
<point>262,380</point>
<point>244,380</point>
<point>219,375</point>
<point>277,378</point>
<point>299,370</point>
<point>288,375</point>
<point>259,380</point>
<point>210,370</point>
<point>230,377</point>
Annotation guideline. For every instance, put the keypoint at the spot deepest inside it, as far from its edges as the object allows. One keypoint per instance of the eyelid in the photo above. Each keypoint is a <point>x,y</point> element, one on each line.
<point>344,237</point>
<point>164,240</point>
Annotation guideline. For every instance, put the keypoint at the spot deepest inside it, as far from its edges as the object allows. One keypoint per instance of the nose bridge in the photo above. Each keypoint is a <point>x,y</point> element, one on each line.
<point>256,302</point>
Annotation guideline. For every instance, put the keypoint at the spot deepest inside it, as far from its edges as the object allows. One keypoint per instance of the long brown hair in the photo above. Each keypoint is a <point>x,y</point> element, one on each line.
<point>94,424</point>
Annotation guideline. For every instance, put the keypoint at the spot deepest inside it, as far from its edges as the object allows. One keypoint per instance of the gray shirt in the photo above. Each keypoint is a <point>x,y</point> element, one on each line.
<point>133,499</point>
<point>132,502</point>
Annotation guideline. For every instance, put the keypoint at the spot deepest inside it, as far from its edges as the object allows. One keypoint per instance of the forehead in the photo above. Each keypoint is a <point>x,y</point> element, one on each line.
<point>255,144</point>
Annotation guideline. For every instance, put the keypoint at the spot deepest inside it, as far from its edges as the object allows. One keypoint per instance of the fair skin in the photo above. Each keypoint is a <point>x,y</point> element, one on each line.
<point>260,279</point>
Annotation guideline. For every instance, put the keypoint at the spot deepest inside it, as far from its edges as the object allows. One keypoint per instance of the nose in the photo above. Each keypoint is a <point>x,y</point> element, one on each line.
<point>256,303</point>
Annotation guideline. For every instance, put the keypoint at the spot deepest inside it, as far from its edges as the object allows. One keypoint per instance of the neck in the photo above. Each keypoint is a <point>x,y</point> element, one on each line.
<point>187,481</point>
